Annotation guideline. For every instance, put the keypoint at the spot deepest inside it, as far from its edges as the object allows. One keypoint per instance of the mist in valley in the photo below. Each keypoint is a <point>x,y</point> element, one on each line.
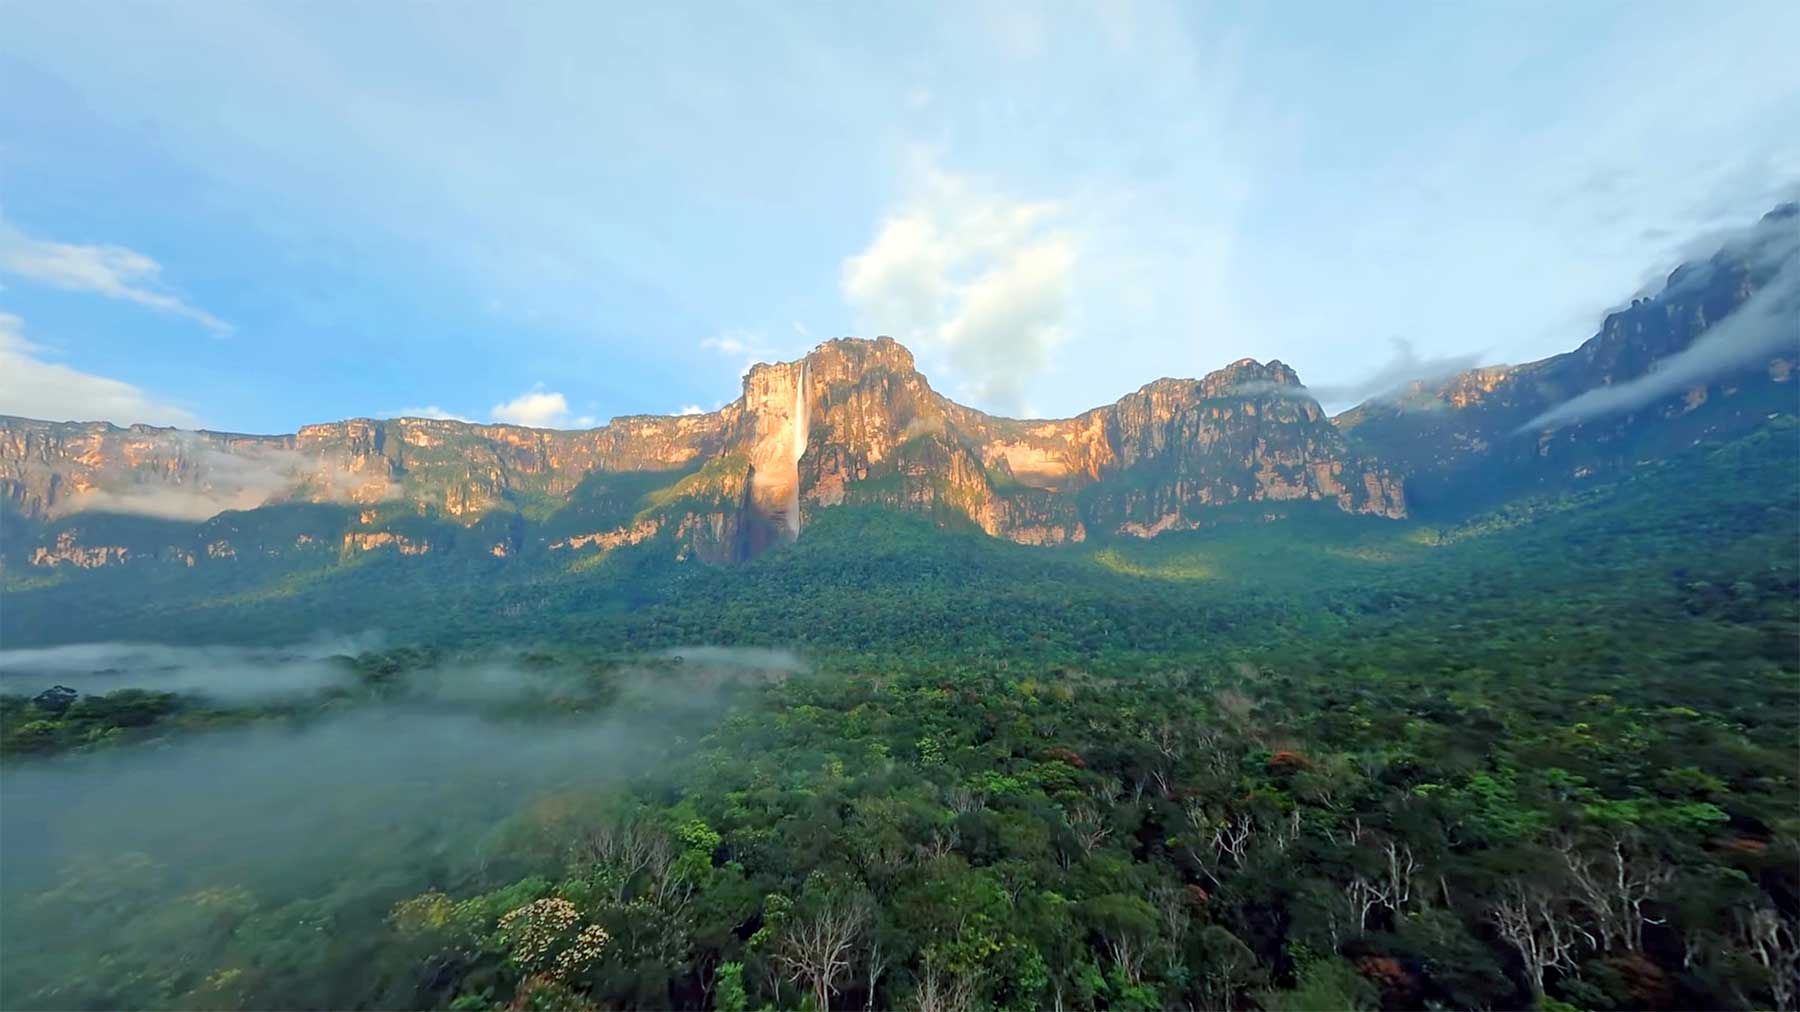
<point>393,778</point>
<point>237,674</point>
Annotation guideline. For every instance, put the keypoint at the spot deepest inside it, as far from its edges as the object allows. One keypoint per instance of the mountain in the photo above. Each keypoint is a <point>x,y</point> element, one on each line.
<point>854,423</point>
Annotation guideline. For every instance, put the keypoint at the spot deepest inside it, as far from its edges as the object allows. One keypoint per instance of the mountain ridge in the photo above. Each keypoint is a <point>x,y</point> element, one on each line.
<point>878,433</point>
<point>854,422</point>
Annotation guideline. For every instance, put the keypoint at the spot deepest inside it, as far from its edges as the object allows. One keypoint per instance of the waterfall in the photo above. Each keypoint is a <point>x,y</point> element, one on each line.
<point>800,423</point>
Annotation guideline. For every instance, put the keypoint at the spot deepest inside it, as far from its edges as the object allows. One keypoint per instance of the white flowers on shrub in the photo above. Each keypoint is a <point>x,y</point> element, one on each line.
<point>537,930</point>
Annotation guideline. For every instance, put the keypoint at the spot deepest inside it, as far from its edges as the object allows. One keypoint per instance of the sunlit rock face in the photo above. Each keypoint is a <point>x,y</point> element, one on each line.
<point>852,422</point>
<point>50,469</point>
<point>876,432</point>
<point>772,436</point>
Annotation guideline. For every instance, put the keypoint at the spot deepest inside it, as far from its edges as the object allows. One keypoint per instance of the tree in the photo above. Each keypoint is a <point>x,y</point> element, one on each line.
<point>1127,927</point>
<point>55,700</point>
<point>818,942</point>
<point>1544,935</point>
<point>1229,967</point>
<point>1771,941</point>
<point>1613,888</point>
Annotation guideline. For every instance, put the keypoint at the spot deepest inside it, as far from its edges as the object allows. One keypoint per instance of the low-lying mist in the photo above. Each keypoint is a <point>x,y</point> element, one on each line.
<point>229,673</point>
<point>426,776</point>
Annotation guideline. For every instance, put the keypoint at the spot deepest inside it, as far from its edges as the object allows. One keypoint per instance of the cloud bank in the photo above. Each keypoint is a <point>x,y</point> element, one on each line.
<point>237,674</point>
<point>244,478</point>
<point>202,479</point>
<point>34,388</point>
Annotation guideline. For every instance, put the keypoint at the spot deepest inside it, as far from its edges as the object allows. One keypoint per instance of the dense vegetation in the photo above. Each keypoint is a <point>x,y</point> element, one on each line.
<point>1544,756</point>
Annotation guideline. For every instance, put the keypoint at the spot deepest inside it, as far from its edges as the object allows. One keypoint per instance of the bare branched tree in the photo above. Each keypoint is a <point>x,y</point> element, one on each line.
<point>1213,842</point>
<point>1771,941</point>
<point>875,965</point>
<point>1173,917</point>
<point>1613,887</point>
<point>1546,938</point>
<point>1089,823</point>
<point>941,991</point>
<point>816,947</point>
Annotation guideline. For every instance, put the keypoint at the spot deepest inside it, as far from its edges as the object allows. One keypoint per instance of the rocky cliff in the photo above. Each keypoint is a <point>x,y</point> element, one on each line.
<point>852,422</point>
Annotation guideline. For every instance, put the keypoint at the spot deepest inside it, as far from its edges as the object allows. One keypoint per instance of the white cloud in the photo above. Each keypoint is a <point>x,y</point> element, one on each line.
<point>34,388</point>
<point>1403,367</point>
<point>972,275</point>
<point>112,271</point>
<point>537,408</point>
<point>691,409</point>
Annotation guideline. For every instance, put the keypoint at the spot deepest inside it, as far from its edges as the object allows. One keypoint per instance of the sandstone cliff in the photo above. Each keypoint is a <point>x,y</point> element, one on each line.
<point>852,422</point>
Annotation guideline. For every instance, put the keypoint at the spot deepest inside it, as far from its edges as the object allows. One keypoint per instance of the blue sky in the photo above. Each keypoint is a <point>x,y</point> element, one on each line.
<point>250,217</point>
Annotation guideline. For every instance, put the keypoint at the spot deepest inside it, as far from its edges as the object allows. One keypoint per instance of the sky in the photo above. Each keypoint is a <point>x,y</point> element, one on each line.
<point>250,217</point>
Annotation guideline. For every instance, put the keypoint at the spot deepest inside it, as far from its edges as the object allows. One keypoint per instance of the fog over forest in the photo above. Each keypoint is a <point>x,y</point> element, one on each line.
<point>368,786</point>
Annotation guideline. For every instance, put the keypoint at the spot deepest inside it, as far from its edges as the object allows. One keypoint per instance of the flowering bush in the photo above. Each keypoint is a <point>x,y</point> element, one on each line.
<point>544,936</point>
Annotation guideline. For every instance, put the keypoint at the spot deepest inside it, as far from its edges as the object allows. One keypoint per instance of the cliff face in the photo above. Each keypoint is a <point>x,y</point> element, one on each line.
<point>852,422</point>
<point>872,430</point>
<point>50,469</point>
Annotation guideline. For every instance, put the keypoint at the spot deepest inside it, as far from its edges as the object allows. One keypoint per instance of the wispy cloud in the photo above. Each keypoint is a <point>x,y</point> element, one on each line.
<point>732,342</point>
<point>428,411</point>
<point>35,388</point>
<point>1403,367</point>
<point>972,274</point>
<point>111,271</point>
<point>540,409</point>
<point>244,478</point>
<point>749,346</point>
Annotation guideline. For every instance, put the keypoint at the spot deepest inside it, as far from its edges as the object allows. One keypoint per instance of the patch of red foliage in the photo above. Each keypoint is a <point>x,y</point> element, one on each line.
<point>1288,761</point>
<point>1069,756</point>
<point>1399,988</point>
